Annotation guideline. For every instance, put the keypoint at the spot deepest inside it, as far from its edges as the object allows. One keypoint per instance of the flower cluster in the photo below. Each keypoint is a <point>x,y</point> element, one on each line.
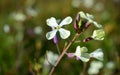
<point>81,23</point>
<point>90,19</point>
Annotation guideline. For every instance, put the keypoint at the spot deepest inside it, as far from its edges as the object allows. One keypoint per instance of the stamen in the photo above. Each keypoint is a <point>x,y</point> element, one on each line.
<point>58,27</point>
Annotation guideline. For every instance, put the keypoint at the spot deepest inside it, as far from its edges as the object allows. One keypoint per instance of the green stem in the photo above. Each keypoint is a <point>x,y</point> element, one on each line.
<point>84,68</point>
<point>57,46</point>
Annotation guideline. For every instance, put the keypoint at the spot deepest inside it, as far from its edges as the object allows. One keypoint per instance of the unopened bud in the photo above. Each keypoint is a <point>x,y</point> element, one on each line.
<point>70,55</point>
<point>55,40</point>
<point>87,39</point>
<point>87,24</point>
<point>76,23</point>
<point>81,22</point>
<point>98,34</point>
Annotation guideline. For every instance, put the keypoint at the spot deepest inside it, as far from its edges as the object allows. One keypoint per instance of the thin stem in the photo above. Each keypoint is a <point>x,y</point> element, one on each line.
<point>77,41</point>
<point>63,53</point>
<point>31,70</point>
<point>19,46</point>
<point>65,45</point>
<point>84,68</point>
<point>57,46</point>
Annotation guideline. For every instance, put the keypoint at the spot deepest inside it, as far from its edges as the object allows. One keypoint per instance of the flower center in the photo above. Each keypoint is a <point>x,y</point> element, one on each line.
<point>58,27</point>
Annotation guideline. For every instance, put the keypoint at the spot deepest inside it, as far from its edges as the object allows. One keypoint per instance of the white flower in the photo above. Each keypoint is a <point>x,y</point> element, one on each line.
<point>98,34</point>
<point>110,65</point>
<point>19,16</point>
<point>90,19</point>
<point>32,12</point>
<point>81,54</point>
<point>51,57</point>
<point>98,54</point>
<point>95,66</point>
<point>6,28</point>
<point>57,27</point>
<point>38,30</point>
<point>88,3</point>
<point>76,3</point>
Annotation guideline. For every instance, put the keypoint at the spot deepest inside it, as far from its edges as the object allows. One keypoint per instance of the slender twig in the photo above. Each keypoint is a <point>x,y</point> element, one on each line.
<point>77,41</point>
<point>57,46</point>
<point>19,47</point>
<point>63,53</point>
<point>20,53</point>
<point>84,68</point>
<point>65,45</point>
<point>30,69</point>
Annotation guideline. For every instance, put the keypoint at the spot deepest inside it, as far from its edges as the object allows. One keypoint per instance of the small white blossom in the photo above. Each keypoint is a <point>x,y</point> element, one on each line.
<point>90,19</point>
<point>32,12</point>
<point>38,30</point>
<point>76,3</point>
<point>81,54</point>
<point>51,57</point>
<point>95,66</point>
<point>98,54</point>
<point>88,3</point>
<point>57,27</point>
<point>19,16</point>
<point>110,65</point>
<point>6,28</point>
<point>98,34</point>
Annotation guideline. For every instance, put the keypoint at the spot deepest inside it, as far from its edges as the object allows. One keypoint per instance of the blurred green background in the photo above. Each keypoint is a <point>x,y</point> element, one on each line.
<point>23,28</point>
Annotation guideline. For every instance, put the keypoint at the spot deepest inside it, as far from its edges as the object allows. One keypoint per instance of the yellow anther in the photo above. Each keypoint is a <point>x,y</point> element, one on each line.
<point>58,27</point>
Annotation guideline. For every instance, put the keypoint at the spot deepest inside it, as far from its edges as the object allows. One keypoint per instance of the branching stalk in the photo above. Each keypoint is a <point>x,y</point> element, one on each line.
<point>63,53</point>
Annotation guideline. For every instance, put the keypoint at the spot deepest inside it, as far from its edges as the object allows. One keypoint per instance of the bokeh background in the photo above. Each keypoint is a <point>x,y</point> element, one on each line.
<point>23,44</point>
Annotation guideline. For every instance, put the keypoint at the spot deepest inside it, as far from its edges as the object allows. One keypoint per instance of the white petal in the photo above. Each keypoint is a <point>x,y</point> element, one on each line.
<point>84,49</point>
<point>82,14</point>
<point>94,68</point>
<point>98,34</point>
<point>77,52</point>
<point>98,54</point>
<point>85,57</point>
<point>52,57</point>
<point>51,22</point>
<point>70,55</point>
<point>66,21</point>
<point>64,34</point>
<point>90,16</point>
<point>97,25</point>
<point>50,35</point>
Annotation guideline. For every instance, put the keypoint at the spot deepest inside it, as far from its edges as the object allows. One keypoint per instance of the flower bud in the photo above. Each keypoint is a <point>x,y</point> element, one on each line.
<point>76,26</point>
<point>81,24</point>
<point>98,54</point>
<point>90,19</point>
<point>70,55</point>
<point>87,24</point>
<point>98,34</point>
<point>55,40</point>
<point>87,39</point>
